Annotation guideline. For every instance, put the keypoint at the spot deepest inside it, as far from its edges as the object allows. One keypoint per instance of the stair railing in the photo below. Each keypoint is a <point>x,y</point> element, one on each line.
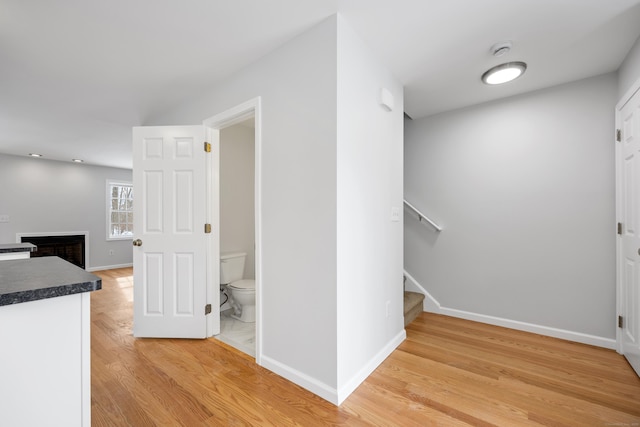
<point>422,216</point>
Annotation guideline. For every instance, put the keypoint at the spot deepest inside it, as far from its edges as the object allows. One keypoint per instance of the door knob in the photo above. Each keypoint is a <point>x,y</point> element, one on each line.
<point>137,242</point>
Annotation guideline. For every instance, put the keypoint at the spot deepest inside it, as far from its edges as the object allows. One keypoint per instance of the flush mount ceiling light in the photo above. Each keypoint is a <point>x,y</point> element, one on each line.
<point>35,155</point>
<point>504,73</point>
<point>77,160</point>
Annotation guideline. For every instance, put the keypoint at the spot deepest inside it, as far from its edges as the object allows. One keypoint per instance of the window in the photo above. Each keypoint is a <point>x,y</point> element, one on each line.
<point>119,210</point>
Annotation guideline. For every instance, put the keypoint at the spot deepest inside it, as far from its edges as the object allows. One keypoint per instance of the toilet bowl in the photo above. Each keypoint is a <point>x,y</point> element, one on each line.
<point>242,292</point>
<point>243,300</point>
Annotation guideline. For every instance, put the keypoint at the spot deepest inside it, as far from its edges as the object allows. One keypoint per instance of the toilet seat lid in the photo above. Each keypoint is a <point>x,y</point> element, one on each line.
<point>244,284</point>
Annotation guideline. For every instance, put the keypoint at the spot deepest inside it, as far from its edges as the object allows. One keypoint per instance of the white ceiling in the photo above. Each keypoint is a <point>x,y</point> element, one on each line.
<point>76,75</point>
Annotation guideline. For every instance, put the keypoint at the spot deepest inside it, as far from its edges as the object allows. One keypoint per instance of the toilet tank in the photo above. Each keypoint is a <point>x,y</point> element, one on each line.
<point>231,266</point>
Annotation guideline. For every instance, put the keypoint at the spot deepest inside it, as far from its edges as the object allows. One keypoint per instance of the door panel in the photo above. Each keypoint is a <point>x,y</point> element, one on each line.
<point>628,119</point>
<point>152,273</point>
<point>151,193</point>
<point>183,214</point>
<point>170,264</point>
<point>185,288</point>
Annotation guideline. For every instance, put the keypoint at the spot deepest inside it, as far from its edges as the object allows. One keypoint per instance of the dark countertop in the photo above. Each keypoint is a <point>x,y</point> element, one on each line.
<point>18,247</point>
<point>23,280</point>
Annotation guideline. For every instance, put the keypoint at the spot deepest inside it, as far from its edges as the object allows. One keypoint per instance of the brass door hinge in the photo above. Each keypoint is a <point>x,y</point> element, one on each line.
<point>207,309</point>
<point>619,321</point>
<point>207,228</point>
<point>207,147</point>
<point>620,228</point>
<point>618,135</point>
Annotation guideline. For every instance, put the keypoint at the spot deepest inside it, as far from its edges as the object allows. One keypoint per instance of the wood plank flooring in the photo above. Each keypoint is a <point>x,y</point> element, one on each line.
<point>449,372</point>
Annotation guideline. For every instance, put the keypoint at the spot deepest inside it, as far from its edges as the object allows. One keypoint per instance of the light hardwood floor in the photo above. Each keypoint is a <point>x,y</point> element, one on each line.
<point>448,372</point>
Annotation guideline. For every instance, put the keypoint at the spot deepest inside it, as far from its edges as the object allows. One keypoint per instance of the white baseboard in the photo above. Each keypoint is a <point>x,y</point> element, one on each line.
<point>303,380</point>
<point>367,369</point>
<point>321,389</point>
<point>431,305</point>
<point>109,267</point>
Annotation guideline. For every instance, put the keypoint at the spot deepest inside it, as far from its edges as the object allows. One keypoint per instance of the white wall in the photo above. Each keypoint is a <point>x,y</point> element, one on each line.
<point>237,207</point>
<point>524,188</point>
<point>43,195</point>
<point>369,251</point>
<point>316,177</point>
<point>629,71</point>
<point>297,86</point>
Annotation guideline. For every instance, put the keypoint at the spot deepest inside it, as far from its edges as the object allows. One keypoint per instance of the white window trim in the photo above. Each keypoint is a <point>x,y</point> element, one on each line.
<point>111,182</point>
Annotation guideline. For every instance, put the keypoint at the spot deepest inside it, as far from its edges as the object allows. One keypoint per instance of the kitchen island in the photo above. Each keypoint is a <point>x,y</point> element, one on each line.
<point>45,342</point>
<point>16,250</point>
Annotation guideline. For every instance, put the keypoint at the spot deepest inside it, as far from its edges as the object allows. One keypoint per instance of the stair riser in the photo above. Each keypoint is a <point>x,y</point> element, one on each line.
<point>412,306</point>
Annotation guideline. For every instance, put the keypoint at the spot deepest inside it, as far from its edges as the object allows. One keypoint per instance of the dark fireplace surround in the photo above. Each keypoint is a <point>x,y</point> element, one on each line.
<point>68,247</point>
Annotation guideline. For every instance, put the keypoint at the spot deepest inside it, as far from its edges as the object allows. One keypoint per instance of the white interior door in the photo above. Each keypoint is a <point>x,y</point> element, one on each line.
<point>170,243</point>
<point>628,183</point>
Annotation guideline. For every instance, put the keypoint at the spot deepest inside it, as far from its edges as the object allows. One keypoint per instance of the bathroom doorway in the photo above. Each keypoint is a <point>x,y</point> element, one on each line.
<point>237,223</point>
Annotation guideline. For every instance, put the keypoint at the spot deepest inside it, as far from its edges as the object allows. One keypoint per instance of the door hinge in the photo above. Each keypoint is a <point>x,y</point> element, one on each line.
<point>207,228</point>
<point>620,228</point>
<point>619,321</point>
<point>207,309</point>
<point>618,135</point>
<point>207,147</point>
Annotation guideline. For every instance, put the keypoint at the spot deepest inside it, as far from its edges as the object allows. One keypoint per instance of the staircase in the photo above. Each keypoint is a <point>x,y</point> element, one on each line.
<point>412,306</point>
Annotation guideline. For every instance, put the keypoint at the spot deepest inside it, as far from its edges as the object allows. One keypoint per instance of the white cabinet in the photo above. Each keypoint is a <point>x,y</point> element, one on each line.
<point>45,343</point>
<point>45,362</point>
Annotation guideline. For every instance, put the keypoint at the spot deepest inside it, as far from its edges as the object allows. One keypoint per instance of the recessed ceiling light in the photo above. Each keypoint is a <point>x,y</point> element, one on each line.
<point>504,73</point>
<point>35,155</point>
<point>77,160</point>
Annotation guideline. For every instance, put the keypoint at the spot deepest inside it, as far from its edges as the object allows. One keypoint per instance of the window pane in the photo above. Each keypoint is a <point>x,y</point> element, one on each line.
<point>120,202</point>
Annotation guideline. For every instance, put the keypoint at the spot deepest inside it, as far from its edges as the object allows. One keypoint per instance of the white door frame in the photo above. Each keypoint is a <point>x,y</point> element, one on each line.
<point>225,119</point>
<point>619,206</point>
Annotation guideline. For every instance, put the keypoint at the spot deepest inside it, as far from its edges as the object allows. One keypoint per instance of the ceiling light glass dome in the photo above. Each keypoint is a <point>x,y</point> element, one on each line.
<point>504,73</point>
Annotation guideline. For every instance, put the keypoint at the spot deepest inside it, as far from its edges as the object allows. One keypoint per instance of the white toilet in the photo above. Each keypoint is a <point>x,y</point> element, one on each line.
<point>243,291</point>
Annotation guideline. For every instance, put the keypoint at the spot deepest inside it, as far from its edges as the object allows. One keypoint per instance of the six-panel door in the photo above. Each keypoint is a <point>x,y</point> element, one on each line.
<point>169,249</point>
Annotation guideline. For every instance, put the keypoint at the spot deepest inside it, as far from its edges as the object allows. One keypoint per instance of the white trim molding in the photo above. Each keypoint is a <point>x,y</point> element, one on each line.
<point>431,305</point>
<point>350,386</point>
<point>620,308</point>
<point>230,117</point>
<point>108,198</point>
<point>628,94</point>
<point>108,267</point>
<point>328,393</point>
<point>319,388</point>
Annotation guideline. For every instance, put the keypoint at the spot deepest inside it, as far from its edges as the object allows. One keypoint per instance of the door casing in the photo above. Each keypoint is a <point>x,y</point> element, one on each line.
<point>213,125</point>
<point>621,284</point>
